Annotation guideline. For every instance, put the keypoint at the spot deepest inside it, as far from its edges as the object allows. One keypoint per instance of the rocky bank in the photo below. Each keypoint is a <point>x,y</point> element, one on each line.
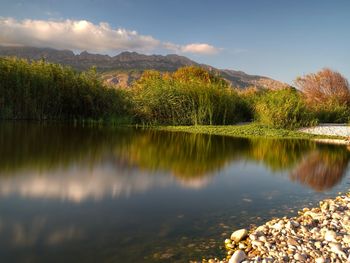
<point>320,235</point>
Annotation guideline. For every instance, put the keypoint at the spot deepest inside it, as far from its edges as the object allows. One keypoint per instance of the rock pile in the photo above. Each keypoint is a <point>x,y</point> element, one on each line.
<point>320,235</point>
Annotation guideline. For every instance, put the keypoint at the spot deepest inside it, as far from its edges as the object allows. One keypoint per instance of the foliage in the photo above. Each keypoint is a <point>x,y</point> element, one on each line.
<point>250,96</point>
<point>189,96</point>
<point>252,130</point>
<point>324,87</point>
<point>331,112</point>
<point>327,95</point>
<point>283,108</point>
<point>39,90</point>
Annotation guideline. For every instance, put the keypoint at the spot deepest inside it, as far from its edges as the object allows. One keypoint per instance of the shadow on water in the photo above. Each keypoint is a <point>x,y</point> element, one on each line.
<point>146,195</point>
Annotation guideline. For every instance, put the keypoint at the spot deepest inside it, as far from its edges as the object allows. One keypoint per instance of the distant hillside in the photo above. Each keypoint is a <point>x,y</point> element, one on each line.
<point>126,67</point>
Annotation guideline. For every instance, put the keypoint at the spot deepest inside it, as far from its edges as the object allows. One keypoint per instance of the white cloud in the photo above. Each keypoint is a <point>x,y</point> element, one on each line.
<point>200,48</point>
<point>84,35</point>
<point>195,48</point>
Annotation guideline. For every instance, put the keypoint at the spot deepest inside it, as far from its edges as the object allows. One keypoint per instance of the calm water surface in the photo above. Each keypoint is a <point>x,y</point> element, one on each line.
<point>80,194</point>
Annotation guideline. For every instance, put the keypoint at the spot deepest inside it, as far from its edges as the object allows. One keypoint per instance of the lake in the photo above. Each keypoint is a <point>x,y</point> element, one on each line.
<point>70,193</point>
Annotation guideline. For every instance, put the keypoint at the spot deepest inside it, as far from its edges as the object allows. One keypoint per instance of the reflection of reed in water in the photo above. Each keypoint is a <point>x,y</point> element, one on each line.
<point>186,156</point>
<point>322,170</point>
<point>277,154</point>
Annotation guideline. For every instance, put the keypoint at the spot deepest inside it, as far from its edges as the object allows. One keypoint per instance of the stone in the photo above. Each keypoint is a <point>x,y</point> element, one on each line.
<point>238,257</point>
<point>318,244</point>
<point>260,229</point>
<point>299,257</point>
<point>330,235</point>
<point>253,237</point>
<point>346,239</point>
<point>289,226</point>
<point>239,235</point>
<point>256,243</point>
<point>242,246</point>
<point>320,260</point>
<point>320,235</point>
<point>262,238</point>
<point>292,242</point>
<point>337,249</point>
<point>278,226</point>
<point>229,246</point>
<point>294,223</point>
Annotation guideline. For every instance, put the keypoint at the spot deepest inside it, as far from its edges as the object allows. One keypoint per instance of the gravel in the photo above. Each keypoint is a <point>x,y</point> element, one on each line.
<point>320,234</point>
<point>329,129</point>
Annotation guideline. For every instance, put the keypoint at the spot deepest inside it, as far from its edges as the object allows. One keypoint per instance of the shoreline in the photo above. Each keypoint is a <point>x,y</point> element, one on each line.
<point>254,130</point>
<point>342,130</point>
<point>320,234</point>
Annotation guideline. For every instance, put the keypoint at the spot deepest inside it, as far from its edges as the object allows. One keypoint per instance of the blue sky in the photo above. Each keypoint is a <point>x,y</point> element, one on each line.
<point>276,38</point>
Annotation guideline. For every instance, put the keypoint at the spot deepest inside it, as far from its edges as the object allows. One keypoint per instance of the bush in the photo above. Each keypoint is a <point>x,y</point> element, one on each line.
<point>327,95</point>
<point>332,113</point>
<point>324,87</point>
<point>189,96</point>
<point>282,109</point>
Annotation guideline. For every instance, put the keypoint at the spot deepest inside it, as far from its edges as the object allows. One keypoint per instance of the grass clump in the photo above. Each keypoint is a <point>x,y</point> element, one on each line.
<point>244,130</point>
<point>39,90</point>
<point>283,108</point>
<point>189,96</point>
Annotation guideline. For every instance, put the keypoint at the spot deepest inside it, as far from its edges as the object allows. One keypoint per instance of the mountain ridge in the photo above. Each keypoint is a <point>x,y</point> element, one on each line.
<point>125,67</point>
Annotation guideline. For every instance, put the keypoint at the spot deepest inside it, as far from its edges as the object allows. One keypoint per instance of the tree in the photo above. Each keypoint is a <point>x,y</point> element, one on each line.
<point>324,87</point>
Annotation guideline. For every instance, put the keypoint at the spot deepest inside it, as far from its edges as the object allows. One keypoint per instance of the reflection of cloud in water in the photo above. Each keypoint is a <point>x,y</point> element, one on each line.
<point>81,183</point>
<point>60,236</point>
<point>195,183</point>
<point>29,233</point>
<point>26,236</point>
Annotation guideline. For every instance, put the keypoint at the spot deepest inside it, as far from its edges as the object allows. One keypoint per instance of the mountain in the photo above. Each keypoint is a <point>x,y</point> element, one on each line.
<point>126,67</point>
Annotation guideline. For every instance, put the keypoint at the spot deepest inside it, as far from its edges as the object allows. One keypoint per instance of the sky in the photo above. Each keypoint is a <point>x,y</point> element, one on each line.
<point>281,39</point>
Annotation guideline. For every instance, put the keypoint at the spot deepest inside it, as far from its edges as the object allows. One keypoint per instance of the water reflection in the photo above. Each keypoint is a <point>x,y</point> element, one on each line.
<point>30,232</point>
<point>77,185</point>
<point>322,169</point>
<point>146,196</point>
<point>77,163</point>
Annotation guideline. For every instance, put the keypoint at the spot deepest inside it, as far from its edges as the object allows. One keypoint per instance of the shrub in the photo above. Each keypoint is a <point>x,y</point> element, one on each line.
<point>324,87</point>
<point>282,109</point>
<point>189,96</point>
<point>327,95</point>
<point>332,112</point>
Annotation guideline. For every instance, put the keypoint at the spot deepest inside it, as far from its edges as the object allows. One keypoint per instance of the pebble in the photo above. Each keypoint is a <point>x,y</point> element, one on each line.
<point>318,235</point>
<point>320,260</point>
<point>330,235</point>
<point>346,239</point>
<point>299,257</point>
<point>292,242</point>
<point>239,235</point>
<point>238,257</point>
<point>337,249</point>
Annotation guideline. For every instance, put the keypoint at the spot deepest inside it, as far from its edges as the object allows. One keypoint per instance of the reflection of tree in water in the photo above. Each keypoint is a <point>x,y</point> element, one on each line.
<point>322,168</point>
<point>184,155</point>
<point>47,146</point>
<point>191,158</point>
<point>278,154</point>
